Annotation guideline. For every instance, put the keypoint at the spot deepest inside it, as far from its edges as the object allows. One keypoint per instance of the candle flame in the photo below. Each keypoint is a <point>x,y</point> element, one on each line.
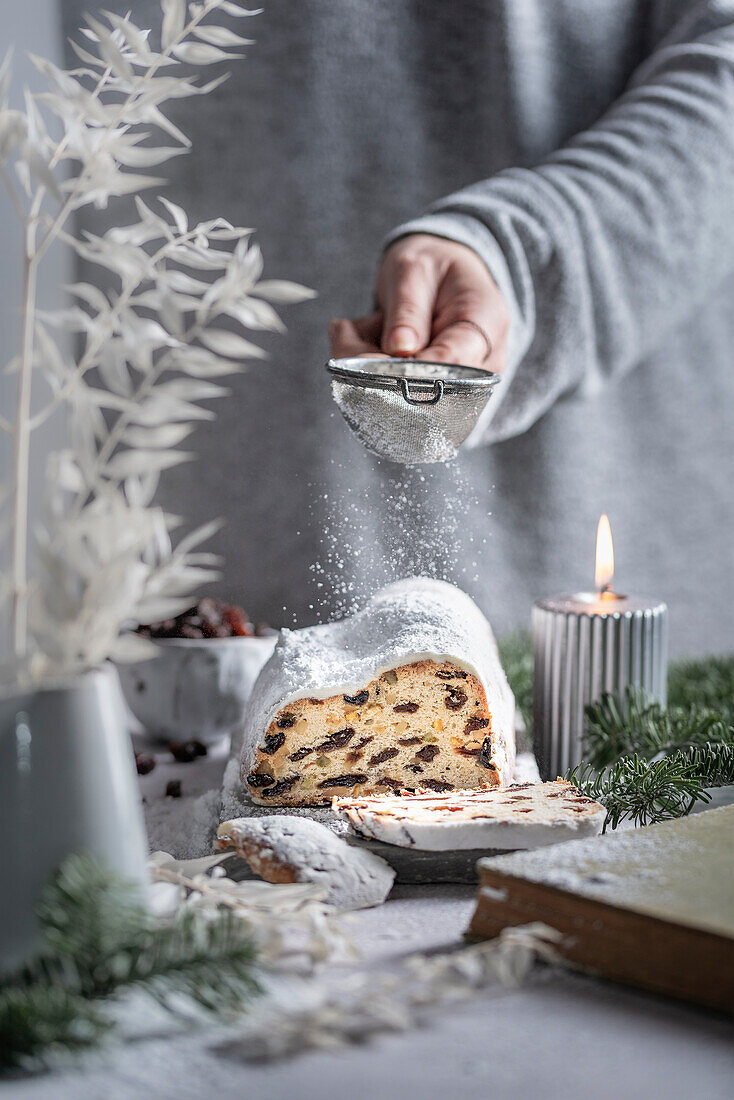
<point>604,572</point>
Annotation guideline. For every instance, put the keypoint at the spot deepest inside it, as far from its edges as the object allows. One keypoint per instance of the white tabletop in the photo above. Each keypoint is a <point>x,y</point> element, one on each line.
<point>560,1037</point>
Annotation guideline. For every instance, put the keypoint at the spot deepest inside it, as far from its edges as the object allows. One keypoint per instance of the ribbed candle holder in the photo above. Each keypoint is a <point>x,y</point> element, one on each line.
<point>583,646</point>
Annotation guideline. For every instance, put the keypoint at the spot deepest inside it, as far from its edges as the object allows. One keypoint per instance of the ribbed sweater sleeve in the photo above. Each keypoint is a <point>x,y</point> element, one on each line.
<point>615,238</point>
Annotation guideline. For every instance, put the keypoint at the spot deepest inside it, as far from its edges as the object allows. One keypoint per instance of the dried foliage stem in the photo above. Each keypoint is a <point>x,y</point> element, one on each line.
<point>150,333</point>
<point>12,194</point>
<point>22,451</point>
<point>150,72</point>
<point>123,419</point>
<point>32,255</point>
<point>129,286</point>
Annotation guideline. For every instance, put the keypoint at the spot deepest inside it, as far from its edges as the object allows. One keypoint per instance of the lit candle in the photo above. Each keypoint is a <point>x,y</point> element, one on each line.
<point>587,644</point>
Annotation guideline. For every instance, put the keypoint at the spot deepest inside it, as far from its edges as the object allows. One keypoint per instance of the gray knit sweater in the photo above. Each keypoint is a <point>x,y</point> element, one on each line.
<point>603,245</point>
<point>587,149</point>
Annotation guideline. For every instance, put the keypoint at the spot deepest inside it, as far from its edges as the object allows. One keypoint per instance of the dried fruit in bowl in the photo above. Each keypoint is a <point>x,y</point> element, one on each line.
<point>209,618</point>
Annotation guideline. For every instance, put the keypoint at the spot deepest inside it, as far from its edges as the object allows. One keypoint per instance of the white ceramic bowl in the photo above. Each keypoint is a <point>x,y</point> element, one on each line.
<point>195,688</point>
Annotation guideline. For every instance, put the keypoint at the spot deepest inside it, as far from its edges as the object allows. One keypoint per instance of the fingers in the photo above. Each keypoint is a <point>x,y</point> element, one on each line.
<point>439,302</point>
<point>459,342</point>
<point>470,326</point>
<point>407,294</point>
<point>355,337</point>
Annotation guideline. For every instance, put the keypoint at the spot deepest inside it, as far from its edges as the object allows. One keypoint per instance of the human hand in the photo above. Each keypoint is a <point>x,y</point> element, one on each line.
<point>437,301</point>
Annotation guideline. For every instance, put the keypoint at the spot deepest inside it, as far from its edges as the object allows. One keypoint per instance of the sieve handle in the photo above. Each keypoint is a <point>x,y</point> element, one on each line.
<point>437,393</point>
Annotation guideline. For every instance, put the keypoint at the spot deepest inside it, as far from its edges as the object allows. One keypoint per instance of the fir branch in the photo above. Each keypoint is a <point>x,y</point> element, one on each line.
<point>99,942</point>
<point>713,764</point>
<point>206,960</point>
<point>622,726</point>
<point>643,792</point>
<point>705,682</point>
<point>649,791</point>
<point>48,1020</point>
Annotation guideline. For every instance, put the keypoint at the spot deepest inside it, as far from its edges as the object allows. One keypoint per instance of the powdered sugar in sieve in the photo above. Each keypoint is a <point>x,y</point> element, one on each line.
<point>408,410</point>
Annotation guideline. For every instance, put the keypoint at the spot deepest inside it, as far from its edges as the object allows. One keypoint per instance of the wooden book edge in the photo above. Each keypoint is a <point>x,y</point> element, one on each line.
<point>634,948</point>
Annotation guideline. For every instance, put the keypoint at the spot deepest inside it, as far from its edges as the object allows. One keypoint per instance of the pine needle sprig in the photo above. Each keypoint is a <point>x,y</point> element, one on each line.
<point>100,942</point>
<point>619,726</point>
<point>713,763</point>
<point>646,792</point>
<point>47,1020</point>
<point>205,960</point>
<point>645,762</point>
<point>643,792</point>
<point>703,682</point>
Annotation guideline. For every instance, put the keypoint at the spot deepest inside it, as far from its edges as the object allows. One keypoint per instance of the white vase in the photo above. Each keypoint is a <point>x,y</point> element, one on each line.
<point>67,784</point>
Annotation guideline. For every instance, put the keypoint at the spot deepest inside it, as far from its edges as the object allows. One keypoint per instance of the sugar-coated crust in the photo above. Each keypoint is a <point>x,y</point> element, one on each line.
<point>284,848</point>
<point>524,815</point>
<point>420,647</point>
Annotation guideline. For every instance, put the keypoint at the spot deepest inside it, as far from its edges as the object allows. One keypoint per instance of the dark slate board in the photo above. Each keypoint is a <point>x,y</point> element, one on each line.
<point>412,866</point>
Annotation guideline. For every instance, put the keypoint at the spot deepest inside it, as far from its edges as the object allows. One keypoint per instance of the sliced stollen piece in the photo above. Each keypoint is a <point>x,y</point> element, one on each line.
<point>525,815</point>
<point>407,693</point>
<point>284,848</point>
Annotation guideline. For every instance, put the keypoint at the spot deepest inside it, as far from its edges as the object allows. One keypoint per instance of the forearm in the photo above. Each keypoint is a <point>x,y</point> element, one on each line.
<point>616,237</point>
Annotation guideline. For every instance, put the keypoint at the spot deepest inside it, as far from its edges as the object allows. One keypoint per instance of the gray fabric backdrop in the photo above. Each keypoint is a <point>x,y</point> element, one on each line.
<point>346,119</point>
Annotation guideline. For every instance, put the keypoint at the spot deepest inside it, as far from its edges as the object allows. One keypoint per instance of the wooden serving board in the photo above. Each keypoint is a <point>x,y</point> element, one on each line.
<point>411,865</point>
<point>650,907</point>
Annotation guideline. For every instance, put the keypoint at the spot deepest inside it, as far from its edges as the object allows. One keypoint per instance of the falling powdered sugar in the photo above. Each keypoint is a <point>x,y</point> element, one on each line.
<point>401,522</point>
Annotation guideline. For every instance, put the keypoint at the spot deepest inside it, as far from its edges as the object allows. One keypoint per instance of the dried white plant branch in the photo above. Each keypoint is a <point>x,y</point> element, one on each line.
<point>341,1009</point>
<point>155,335</point>
<point>291,924</point>
<point>310,1007</point>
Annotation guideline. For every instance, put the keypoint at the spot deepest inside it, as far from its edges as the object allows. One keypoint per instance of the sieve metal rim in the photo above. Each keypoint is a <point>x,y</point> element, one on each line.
<point>354,371</point>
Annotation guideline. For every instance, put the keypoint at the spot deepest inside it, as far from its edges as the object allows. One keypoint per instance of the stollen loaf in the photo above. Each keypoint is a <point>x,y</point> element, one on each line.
<point>407,693</point>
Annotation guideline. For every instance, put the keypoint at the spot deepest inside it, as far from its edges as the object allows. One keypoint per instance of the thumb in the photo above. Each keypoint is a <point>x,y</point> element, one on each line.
<point>408,297</point>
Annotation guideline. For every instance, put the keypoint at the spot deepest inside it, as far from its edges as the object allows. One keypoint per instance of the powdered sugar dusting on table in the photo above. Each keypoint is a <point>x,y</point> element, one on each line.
<point>411,620</point>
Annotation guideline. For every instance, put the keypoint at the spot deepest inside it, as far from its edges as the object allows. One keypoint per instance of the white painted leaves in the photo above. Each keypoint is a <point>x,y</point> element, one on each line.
<point>156,327</point>
<point>231,345</point>
<point>174,20</point>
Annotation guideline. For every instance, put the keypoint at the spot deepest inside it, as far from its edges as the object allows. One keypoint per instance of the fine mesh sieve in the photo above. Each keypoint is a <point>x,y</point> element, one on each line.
<point>408,410</point>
